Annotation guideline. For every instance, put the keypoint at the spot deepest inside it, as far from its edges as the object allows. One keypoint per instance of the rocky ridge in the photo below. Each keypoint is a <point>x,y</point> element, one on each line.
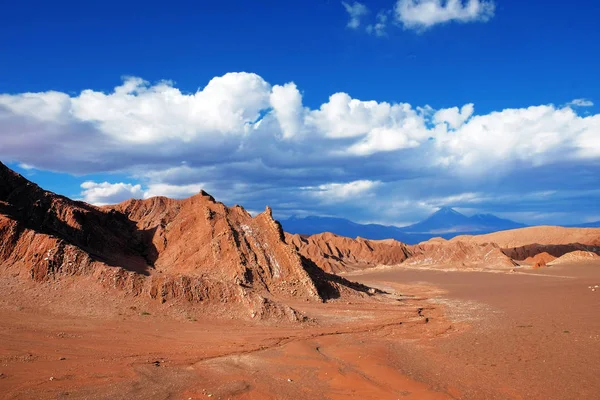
<point>195,250</point>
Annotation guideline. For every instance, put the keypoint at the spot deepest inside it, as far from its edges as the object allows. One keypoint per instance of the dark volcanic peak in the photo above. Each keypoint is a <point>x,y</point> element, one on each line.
<point>448,221</point>
<point>441,221</point>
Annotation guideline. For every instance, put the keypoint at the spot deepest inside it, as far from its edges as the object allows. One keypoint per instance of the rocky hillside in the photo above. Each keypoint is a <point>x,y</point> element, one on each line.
<point>542,235</point>
<point>195,250</point>
<point>442,253</point>
<point>540,259</point>
<point>576,257</point>
<point>336,254</point>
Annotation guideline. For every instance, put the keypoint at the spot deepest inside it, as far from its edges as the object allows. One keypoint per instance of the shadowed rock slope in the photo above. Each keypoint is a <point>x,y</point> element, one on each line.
<point>195,250</point>
<point>337,254</point>
<point>520,244</point>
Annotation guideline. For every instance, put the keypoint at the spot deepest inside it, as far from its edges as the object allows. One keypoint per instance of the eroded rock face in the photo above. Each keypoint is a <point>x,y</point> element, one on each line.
<point>200,237</point>
<point>576,257</point>
<point>459,255</point>
<point>529,251</point>
<point>536,235</point>
<point>197,249</point>
<point>336,254</point>
<point>540,259</point>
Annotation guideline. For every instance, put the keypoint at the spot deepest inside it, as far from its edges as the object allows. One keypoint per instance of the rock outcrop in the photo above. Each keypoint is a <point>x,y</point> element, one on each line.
<point>540,259</point>
<point>555,250</point>
<point>337,254</point>
<point>576,257</point>
<point>456,254</point>
<point>541,235</point>
<point>196,250</point>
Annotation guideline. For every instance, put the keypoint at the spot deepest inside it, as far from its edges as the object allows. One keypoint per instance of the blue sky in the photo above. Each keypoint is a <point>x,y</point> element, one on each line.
<point>377,111</point>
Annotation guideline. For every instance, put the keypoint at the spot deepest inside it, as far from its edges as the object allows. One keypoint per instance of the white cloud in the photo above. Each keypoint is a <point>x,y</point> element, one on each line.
<point>173,191</point>
<point>535,136</point>
<point>139,113</point>
<point>241,129</point>
<point>379,27</point>
<point>356,11</point>
<point>287,106</point>
<point>109,193</point>
<point>454,117</point>
<point>581,103</point>
<point>345,117</point>
<point>423,14</point>
<point>102,193</point>
<point>343,191</point>
<point>452,200</point>
<point>26,167</point>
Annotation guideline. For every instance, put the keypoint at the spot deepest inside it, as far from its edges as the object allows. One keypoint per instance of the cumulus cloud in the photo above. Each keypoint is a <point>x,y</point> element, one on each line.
<point>581,103</point>
<point>239,118</point>
<point>536,135</point>
<point>139,113</point>
<point>356,11</point>
<point>109,193</point>
<point>343,191</point>
<point>287,106</point>
<point>173,191</point>
<point>454,116</point>
<point>248,141</point>
<point>423,14</point>
<point>102,193</point>
<point>380,25</point>
<point>420,15</point>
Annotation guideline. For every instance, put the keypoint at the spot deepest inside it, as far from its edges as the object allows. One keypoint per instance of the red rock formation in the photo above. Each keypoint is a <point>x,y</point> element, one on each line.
<point>336,254</point>
<point>458,255</point>
<point>540,259</point>
<point>576,257</point>
<point>556,250</point>
<point>195,249</point>
<point>541,235</point>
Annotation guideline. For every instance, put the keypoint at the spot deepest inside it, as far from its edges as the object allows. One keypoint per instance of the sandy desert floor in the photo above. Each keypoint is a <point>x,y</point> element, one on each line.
<point>450,335</point>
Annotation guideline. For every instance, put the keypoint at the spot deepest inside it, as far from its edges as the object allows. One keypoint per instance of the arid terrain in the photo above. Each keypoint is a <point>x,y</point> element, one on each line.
<point>190,299</point>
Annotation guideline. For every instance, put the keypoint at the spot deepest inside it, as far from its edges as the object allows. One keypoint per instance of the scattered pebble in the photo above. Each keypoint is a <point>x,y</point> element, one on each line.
<point>289,380</point>
<point>62,358</point>
<point>51,378</point>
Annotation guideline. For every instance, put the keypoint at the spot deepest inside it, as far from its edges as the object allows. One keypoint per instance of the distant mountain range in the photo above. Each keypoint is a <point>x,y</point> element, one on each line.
<point>446,223</point>
<point>586,225</point>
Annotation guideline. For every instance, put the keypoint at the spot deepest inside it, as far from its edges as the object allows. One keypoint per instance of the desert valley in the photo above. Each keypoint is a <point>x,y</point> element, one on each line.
<point>191,299</point>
